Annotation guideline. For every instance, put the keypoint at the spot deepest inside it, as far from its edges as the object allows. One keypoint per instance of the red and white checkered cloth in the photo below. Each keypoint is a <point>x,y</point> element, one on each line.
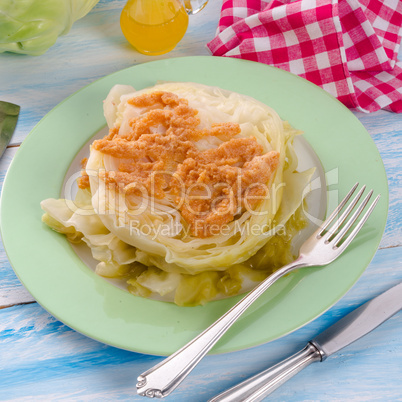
<point>347,47</point>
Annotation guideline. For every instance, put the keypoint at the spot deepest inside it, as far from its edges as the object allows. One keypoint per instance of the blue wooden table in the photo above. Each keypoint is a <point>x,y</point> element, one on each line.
<point>42,359</point>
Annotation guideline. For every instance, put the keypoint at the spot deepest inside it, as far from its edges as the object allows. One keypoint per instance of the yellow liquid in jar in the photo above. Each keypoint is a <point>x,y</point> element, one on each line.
<point>154,26</point>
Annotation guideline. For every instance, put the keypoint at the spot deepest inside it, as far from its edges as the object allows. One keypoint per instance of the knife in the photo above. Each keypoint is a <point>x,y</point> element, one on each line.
<point>347,330</point>
<point>8,120</point>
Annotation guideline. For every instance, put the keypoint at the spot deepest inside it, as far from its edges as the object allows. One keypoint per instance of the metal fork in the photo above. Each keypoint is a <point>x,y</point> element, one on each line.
<point>326,244</point>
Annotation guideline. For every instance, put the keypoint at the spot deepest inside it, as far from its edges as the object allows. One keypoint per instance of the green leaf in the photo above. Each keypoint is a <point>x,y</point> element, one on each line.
<point>8,121</point>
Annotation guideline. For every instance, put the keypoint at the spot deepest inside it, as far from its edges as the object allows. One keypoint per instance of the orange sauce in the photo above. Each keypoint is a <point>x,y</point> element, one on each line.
<point>213,183</point>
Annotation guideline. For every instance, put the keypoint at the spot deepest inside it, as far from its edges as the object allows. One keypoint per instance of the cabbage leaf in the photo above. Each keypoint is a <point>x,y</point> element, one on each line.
<point>33,26</point>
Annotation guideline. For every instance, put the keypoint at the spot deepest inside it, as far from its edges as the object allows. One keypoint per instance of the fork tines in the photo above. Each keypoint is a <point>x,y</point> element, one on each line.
<point>335,233</point>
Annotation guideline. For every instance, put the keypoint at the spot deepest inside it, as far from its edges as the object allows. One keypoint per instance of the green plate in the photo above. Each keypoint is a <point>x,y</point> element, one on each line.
<point>52,272</point>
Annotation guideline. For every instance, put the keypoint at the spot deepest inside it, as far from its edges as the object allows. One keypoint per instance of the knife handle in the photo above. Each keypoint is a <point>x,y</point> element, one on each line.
<point>258,387</point>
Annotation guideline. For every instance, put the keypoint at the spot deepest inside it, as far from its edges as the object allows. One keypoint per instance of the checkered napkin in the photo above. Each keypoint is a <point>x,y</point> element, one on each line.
<point>347,47</point>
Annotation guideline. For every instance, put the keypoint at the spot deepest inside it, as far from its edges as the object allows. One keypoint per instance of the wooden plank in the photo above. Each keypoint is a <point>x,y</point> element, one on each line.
<point>11,289</point>
<point>386,130</point>
<point>42,359</point>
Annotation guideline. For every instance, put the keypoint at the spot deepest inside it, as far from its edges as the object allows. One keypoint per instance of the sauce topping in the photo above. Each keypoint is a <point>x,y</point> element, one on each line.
<point>160,152</point>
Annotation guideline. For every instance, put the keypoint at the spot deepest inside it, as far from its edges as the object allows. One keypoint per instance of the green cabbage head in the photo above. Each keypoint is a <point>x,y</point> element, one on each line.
<point>33,26</point>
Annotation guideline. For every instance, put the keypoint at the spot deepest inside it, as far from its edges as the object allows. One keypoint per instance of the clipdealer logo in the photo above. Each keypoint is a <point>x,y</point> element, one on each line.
<point>129,211</point>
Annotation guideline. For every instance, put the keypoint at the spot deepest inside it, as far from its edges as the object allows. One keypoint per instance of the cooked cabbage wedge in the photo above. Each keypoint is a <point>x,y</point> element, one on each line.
<point>148,237</point>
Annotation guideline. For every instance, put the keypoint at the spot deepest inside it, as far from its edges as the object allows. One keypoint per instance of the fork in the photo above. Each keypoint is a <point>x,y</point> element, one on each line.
<point>326,244</point>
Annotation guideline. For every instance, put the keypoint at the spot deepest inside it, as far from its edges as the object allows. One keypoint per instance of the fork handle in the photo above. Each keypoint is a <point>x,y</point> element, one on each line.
<point>256,388</point>
<point>162,379</point>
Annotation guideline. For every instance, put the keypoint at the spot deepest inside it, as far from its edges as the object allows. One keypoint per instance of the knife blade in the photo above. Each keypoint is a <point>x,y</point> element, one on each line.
<point>350,328</point>
<point>9,113</point>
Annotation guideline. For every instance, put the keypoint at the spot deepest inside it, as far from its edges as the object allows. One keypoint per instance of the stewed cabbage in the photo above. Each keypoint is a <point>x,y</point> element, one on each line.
<point>192,196</point>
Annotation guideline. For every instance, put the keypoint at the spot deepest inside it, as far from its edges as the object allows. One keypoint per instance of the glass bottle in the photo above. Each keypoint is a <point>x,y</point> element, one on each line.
<point>155,27</point>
